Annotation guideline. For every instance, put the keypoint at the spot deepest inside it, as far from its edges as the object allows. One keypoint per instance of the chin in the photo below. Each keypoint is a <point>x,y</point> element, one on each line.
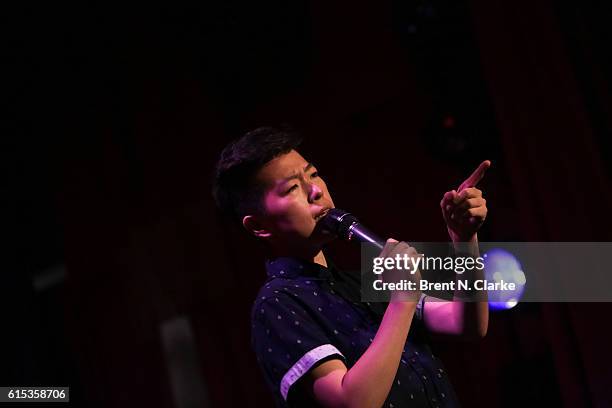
<point>322,237</point>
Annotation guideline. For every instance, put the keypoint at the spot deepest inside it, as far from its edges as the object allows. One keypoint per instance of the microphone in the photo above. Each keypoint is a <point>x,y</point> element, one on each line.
<point>347,227</point>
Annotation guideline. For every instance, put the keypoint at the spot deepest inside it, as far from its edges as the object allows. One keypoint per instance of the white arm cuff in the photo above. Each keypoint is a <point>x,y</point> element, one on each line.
<point>304,364</point>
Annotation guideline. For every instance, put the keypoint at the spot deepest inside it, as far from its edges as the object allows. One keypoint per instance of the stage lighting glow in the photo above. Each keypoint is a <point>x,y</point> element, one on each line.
<point>502,265</point>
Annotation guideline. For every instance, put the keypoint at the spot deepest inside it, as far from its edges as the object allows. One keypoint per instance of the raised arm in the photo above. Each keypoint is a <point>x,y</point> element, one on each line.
<point>464,211</point>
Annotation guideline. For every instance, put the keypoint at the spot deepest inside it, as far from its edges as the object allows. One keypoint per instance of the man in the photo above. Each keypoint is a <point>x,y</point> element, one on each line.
<point>316,342</point>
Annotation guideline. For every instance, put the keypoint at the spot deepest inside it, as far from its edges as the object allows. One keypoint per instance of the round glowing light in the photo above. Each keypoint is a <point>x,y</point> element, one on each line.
<point>502,266</point>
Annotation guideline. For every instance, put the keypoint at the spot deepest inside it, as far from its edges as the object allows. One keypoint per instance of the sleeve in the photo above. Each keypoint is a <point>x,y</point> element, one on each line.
<point>288,342</point>
<point>420,307</point>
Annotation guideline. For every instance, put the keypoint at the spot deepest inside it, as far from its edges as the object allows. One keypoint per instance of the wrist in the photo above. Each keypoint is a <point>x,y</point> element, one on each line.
<point>405,297</point>
<point>455,238</point>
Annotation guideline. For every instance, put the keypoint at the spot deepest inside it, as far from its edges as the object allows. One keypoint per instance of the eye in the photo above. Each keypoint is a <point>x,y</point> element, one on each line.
<point>293,187</point>
<point>315,174</point>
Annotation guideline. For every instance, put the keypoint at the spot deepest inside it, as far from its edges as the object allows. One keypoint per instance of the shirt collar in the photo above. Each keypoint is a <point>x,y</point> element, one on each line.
<point>291,268</point>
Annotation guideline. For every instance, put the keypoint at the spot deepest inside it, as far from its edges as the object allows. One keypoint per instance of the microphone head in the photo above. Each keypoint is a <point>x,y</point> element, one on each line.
<point>338,222</point>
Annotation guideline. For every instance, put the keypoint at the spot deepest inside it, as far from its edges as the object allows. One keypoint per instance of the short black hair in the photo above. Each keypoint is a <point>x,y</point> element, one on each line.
<point>234,188</point>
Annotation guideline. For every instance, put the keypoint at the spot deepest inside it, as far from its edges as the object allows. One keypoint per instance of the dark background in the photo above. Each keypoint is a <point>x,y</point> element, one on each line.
<point>122,281</point>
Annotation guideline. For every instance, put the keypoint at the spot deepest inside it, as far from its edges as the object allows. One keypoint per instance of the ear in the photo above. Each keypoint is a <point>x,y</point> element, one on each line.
<point>255,227</point>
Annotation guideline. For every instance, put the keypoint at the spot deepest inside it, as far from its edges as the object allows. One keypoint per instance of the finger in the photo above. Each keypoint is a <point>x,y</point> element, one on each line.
<point>448,196</point>
<point>447,200</point>
<point>471,192</point>
<point>455,195</point>
<point>472,203</point>
<point>403,247</point>
<point>388,248</point>
<point>475,220</point>
<point>476,176</point>
<point>461,213</point>
<point>478,212</point>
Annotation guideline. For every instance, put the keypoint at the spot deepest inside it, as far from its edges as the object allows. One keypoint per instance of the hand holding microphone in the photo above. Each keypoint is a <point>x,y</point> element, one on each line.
<point>348,227</point>
<point>400,276</point>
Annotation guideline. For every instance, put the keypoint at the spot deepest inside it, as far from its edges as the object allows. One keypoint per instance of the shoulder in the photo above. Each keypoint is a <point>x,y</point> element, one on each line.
<point>283,292</point>
<point>275,294</point>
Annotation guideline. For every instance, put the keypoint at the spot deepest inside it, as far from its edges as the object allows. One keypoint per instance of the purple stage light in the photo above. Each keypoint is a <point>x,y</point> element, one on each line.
<point>501,265</point>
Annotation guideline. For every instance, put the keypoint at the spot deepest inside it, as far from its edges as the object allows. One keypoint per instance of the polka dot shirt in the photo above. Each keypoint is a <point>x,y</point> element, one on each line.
<point>306,314</point>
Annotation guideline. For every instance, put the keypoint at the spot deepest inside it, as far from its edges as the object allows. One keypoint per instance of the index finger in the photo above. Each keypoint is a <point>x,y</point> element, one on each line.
<point>476,176</point>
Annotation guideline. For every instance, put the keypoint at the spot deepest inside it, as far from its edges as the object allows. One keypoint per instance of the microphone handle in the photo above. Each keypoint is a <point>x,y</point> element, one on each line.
<point>362,234</point>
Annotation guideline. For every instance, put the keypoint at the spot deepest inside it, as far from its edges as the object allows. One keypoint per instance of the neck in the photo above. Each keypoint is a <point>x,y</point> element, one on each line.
<point>320,259</point>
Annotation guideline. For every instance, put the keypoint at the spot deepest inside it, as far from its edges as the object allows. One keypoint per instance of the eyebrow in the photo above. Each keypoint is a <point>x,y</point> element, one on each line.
<point>294,176</point>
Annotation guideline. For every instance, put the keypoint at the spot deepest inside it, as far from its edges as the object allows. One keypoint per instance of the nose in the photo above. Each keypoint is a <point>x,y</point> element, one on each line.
<point>315,193</point>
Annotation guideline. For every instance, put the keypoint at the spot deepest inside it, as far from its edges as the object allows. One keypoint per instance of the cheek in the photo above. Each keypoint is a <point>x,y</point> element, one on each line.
<point>288,213</point>
<point>274,206</point>
<point>277,206</point>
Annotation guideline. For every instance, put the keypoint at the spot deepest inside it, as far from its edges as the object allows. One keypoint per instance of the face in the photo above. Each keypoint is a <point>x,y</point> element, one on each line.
<point>295,200</point>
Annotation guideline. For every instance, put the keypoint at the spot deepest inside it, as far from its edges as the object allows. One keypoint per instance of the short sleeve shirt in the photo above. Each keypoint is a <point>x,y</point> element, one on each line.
<point>306,314</point>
